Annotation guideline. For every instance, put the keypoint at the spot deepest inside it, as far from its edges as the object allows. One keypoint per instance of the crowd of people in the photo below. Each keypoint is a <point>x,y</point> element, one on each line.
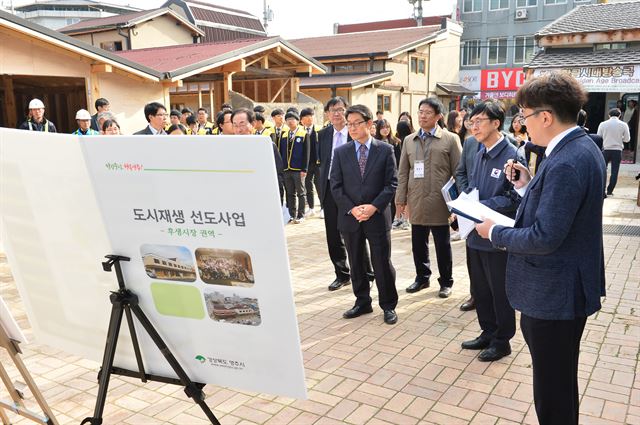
<point>217,270</point>
<point>548,173</point>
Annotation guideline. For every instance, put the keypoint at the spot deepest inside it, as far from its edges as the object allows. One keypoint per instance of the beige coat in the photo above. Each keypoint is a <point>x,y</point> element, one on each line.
<point>423,196</point>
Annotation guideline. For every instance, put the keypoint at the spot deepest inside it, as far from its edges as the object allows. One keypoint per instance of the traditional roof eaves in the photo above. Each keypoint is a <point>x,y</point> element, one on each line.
<point>136,21</point>
<point>69,43</point>
<point>234,55</point>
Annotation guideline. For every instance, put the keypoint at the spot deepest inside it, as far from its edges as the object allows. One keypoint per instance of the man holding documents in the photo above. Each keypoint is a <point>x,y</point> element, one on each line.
<point>487,265</point>
<point>555,269</point>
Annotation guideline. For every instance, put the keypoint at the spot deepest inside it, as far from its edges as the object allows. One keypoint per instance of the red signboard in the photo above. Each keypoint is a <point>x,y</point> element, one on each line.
<point>502,79</point>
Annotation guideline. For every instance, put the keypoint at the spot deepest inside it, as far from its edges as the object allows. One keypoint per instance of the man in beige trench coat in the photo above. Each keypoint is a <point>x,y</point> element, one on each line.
<point>428,160</point>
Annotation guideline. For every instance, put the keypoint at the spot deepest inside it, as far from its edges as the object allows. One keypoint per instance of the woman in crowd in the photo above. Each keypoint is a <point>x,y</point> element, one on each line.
<point>177,130</point>
<point>405,116</point>
<point>403,129</point>
<point>110,128</point>
<point>532,153</point>
<point>383,132</point>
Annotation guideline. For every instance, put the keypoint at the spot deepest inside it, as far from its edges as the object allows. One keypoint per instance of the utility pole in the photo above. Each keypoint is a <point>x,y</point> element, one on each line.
<point>267,15</point>
<point>417,11</point>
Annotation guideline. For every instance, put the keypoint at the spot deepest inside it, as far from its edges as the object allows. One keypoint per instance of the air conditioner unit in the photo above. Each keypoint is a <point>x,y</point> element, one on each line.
<point>521,14</point>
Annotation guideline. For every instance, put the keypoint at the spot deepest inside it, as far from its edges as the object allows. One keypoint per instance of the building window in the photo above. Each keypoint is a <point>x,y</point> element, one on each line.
<point>472,6</point>
<point>498,4</point>
<point>547,2</point>
<point>156,261</point>
<point>497,51</point>
<point>418,66</point>
<point>525,49</point>
<point>384,102</point>
<point>526,3</point>
<point>471,53</point>
<point>112,46</point>
<point>611,46</point>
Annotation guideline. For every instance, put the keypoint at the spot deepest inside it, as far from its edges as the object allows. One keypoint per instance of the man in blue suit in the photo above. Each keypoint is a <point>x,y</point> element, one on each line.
<point>363,183</point>
<point>555,268</point>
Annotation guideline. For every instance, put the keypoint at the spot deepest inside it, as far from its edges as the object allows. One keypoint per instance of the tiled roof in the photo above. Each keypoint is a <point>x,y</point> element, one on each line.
<point>105,22</point>
<point>561,58</point>
<point>344,80</point>
<point>453,88</point>
<point>171,58</point>
<point>364,43</point>
<point>387,25</point>
<point>233,20</point>
<point>596,18</point>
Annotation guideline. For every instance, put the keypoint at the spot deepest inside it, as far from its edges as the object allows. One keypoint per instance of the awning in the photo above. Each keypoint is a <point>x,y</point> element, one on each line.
<point>448,89</point>
<point>349,81</point>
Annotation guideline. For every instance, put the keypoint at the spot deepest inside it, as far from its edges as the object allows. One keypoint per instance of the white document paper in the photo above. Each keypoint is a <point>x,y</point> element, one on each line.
<point>480,212</point>
<point>466,226</point>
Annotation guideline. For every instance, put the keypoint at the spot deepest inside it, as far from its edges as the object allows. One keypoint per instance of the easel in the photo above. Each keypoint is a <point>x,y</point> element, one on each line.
<point>125,301</point>
<point>18,406</point>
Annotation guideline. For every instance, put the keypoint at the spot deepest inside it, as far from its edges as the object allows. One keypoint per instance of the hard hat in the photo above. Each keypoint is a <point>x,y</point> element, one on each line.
<point>83,114</point>
<point>36,104</point>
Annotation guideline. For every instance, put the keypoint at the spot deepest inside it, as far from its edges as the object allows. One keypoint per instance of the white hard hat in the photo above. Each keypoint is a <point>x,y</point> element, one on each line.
<point>83,114</point>
<point>36,104</point>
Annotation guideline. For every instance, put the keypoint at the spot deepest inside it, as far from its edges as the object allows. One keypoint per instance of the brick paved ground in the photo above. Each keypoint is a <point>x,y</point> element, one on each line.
<point>362,371</point>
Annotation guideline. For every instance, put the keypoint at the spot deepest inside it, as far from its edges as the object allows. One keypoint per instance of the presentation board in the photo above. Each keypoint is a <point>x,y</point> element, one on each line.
<point>201,221</point>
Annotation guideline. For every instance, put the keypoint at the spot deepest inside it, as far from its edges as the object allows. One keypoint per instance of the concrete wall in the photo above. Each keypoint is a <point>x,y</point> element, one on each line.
<point>103,37</point>
<point>444,63</point>
<point>480,25</point>
<point>127,96</point>
<point>161,31</point>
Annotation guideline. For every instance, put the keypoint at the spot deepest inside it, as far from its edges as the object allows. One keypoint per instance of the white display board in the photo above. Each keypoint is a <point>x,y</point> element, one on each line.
<point>9,324</point>
<point>201,221</point>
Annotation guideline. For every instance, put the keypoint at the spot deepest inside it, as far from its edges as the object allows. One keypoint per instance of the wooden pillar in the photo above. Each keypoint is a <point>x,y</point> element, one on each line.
<point>268,90</point>
<point>199,96</point>
<point>212,112</point>
<point>10,102</point>
<point>295,86</point>
<point>255,90</point>
<point>228,84</point>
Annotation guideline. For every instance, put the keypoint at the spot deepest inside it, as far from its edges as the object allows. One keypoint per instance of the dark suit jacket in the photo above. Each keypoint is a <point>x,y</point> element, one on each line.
<point>145,130</point>
<point>325,145</point>
<point>94,122</point>
<point>555,269</point>
<point>376,187</point>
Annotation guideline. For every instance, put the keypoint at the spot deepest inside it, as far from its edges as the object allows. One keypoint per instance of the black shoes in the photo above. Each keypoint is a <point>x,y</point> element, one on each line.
<point>478,343</point>
<point>356,311</point>
<point>390,317</point>
<point>417,286</point>
<point>494,353</point>
<point>336,284</point>
<point>445,292</point>
<point>468,305</point>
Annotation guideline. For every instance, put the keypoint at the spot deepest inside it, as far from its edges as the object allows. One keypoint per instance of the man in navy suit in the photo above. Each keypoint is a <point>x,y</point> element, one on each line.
<point>363,183</point>
<point>555,268</point>
<point>329,139</point>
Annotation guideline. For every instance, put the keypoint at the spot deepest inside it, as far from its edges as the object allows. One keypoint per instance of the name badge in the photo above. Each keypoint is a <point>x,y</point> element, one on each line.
<point>418,169</point>
<point>495,173</point>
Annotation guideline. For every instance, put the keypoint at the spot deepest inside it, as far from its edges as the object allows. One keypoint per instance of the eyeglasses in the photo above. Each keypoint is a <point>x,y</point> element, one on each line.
<point>240,124</point>
<point>337,111</point>
<point>426,112</point>
<point>523,118</point>
<point>475,123</point>
<point>160,114</point>
<point>354,124</point>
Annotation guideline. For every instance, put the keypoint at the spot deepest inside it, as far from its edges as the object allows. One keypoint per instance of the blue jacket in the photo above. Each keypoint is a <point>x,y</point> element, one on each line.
<point>494,190</point>
<point>555,269</point>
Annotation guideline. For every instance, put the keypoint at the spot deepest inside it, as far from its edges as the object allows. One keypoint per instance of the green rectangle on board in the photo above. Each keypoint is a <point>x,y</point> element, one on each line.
<point>178,300</point>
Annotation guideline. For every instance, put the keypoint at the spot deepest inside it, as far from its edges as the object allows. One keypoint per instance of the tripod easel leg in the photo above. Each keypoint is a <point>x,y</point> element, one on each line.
<point>107,361</point>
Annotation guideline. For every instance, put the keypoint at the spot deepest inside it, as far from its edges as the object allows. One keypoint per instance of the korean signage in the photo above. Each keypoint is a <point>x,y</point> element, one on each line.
<point>610,78</point>
<point>502,79</point>
<point>470,79</point>
<point>202,224</point>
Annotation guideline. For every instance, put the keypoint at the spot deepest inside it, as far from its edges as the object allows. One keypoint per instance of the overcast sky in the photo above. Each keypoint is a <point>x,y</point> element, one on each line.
<point>297,18</point>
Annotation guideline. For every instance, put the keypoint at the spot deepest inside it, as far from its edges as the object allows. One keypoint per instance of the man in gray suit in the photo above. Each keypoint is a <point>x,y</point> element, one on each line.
<point>555,268</point>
